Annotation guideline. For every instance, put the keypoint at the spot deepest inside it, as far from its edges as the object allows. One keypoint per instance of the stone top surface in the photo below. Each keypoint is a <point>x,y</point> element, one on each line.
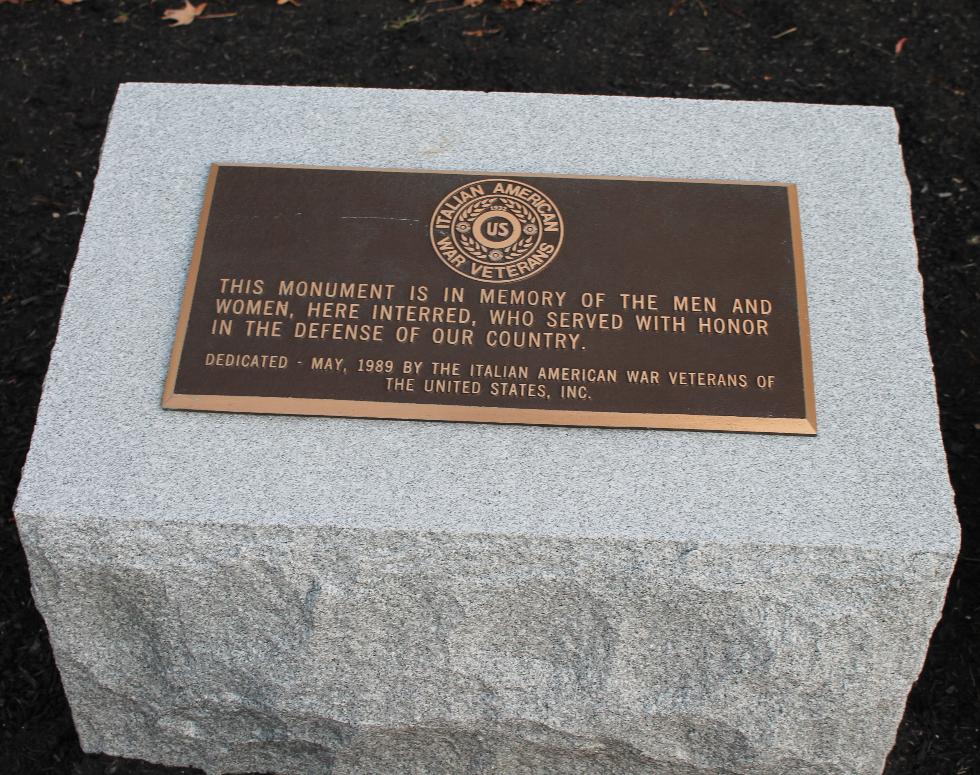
<point>874,477</point>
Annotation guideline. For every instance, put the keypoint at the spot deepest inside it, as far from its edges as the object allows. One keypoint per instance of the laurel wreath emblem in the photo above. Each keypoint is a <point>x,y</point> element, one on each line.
<point>513,252</point>
<point>471,241</point>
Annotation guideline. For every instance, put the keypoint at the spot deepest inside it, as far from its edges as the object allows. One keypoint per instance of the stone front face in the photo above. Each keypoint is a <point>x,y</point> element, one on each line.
<point>253,649</point>
<point>247,593</point>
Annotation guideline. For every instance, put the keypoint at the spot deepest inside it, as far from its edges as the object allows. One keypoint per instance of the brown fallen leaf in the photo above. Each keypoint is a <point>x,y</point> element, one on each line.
<point>121,18</point>
<point>510,5</point>
<point>900,45</point>
<point>69,2</point>
<point>472,3</point>
<point>288,2</point>
<point>184,16</point>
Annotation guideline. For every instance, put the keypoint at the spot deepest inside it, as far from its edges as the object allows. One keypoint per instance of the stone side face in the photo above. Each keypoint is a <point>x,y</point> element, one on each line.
<point>238,649</point>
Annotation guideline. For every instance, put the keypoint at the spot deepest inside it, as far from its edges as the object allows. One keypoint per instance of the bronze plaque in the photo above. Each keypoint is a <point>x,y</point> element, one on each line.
<point>496,297</point>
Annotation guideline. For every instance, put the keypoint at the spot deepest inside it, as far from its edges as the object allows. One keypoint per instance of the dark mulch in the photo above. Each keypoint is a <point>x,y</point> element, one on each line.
<point>59,67</point>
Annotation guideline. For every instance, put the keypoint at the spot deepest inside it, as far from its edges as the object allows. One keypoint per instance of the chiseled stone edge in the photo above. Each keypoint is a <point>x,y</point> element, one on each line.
<point>155,707</point>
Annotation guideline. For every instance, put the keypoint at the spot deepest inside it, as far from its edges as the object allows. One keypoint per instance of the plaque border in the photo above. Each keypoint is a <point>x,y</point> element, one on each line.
<point>394,410</point>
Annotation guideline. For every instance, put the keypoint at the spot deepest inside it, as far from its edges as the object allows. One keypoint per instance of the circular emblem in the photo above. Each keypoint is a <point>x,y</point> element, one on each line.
<point>496,230</point>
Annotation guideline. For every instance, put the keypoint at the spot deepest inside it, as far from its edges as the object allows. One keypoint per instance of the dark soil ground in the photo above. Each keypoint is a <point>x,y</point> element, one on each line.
<point>59,68</point>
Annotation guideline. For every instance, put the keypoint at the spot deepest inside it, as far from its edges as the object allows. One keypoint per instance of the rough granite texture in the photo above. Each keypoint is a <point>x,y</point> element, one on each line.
<point>316,595</point>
